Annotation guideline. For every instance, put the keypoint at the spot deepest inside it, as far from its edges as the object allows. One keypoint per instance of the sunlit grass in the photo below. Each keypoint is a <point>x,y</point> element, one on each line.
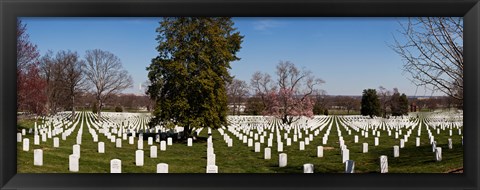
<point>242,159</point>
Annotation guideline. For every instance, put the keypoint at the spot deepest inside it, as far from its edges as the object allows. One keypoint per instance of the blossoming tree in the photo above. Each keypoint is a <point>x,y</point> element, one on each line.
<point>290,97</point>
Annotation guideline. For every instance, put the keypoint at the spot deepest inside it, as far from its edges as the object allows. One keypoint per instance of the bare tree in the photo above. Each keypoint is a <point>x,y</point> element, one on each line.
<point>237,91</point>
<point>52,73</point>
<point>105,74</point>
<point>433,53</point>
<point>72,78</point>
<point>384,96</point>
<point>261,84</point>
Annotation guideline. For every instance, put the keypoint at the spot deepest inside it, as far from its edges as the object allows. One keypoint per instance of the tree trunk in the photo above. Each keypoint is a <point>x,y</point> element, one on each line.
<point>99,111</point>
<point>186,132</point>
<point>73,108</point>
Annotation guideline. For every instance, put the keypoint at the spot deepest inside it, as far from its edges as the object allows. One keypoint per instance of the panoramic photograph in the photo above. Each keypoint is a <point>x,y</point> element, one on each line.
<point>240,95</point>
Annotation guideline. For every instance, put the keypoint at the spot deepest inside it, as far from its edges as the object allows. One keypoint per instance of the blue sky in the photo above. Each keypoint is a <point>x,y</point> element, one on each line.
<point>349,54</point>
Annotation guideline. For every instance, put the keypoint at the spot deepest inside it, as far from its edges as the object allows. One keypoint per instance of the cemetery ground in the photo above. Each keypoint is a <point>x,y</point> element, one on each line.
<point>241,158</point>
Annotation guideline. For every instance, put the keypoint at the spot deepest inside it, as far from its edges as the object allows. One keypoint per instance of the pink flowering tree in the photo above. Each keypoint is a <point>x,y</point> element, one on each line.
<point>290,97</point>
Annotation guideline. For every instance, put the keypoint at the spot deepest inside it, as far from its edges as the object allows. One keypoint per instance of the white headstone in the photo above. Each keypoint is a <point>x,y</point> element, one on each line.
<point>56,142</point>
<point>37,157</point>
<point>349,166</point>
<point>383,164</point>
<point>396,151</point>
<point>130,140</point>
<point>376,141</point>
<point>417,141</point>
<point>73,164</point>
<point>308,168</point>
<point>319,151</point>
<point>163,145</point>
<point>169,141</point>
<point>19,137</point>
<point>139,158</point>
<point>211,159</point>
<point>289,141</point>
<point>402,143</point>
<point>268,153</point>
<point>36,139</point>
<point>365,147</point>
<point>210,150</point>
<point>270,142</point>
<point>302,145</point>
<point>140,144</point>
<point>355,139</point>
<point>282,160</point>
<point>450,145</point>
<point>250,142</point>
<point>101,147</point>
<point>257,147</point>
<point>150,141</point>
<point>230,143</point>
<point>438,154</point>
<point>115,166</point>
<point>24,132</point>
<point>118,144</point>
<point>280,147</point>
<point>76,150</point>
<point>189,143</point>
<point>345,155</point>
<point>79,139</point>
<point>162,168</point>
<point>434,146</point>
<point>212,169</point>
<point>153,151</point>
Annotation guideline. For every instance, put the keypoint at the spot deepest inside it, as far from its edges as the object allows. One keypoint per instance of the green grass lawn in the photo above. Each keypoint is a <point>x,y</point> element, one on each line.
<point>242,159</point>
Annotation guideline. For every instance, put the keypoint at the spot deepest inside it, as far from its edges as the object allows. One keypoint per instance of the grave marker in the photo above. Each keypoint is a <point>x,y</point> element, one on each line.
<point>308,168</point>
<point>37,157</point>
<point>365,148</point>
<point>115,166</point>
<point>257,147</point>
<point>56,142</point>
<point>267,154</point>
<point>438,154</point>
<point>345,155</point>
<point>450,145</point>
<point>383,164</point>
<point>319,151</point>
<point>189,142</point>
<point>139,158</point>
<point>349,166</point>
<point>282,160</point>
<point>73,164</point>
<point>163,145</point>
<point>153,151</point>
<point>118,144</point>
<point>212,169</point>
<point>396,151</point>
<point>162,168</point>
<point>101,147</point>
<point>76,150</point>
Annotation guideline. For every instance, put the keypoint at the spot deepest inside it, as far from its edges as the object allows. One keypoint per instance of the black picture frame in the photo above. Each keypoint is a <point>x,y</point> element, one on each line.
<point>11,9</point>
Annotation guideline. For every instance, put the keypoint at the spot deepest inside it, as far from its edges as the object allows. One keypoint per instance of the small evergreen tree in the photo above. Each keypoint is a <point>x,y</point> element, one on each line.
<point>370,103</point>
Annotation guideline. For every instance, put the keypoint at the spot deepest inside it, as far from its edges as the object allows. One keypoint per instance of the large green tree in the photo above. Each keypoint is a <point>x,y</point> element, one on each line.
<point>370,103</point>
<point>188,76</point>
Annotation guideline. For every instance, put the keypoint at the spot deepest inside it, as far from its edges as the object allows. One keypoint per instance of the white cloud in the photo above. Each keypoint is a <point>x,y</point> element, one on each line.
<point>266,24</point>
